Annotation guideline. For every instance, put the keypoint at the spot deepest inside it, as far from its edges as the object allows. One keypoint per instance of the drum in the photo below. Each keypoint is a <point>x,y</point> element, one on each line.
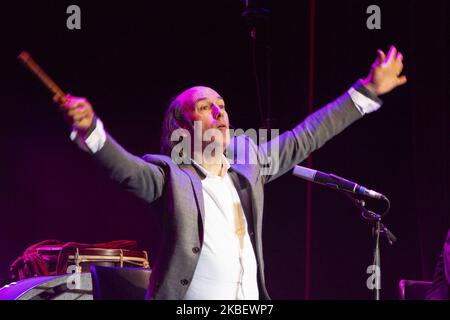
<point>67,260</point>
<point>76,286</point>
<point>69,272</point>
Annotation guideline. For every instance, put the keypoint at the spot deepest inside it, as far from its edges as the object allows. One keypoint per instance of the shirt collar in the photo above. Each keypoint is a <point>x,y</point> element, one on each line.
<point>225,166</point>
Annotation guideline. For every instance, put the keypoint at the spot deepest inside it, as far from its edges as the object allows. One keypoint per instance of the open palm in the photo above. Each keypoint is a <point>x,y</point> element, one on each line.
<point>385,74</point>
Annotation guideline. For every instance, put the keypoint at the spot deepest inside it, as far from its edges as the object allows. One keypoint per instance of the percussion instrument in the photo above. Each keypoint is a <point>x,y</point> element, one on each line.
<point>77,286</point>
<point>60,259</point>
<point>69,272</point>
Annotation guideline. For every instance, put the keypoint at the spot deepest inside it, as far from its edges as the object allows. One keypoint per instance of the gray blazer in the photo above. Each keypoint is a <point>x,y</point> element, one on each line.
<point>179,186</point>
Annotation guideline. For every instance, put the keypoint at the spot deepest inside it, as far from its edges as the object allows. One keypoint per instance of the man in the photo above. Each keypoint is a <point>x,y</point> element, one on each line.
<point>440,288</point>
<point>211,242</point>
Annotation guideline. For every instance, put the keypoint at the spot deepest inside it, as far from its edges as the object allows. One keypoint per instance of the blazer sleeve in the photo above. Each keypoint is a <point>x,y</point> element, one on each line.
<point>145,180</point>
<point>282,153</point>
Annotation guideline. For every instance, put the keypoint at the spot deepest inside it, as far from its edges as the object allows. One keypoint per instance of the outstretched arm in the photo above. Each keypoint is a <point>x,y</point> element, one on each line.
<point>293,146</point>
<point>143,179</point>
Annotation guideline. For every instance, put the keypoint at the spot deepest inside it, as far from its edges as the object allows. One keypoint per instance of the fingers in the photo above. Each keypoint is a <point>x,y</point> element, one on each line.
<point>398,62</point>
<point>77,112</point>
<point>78,118</point>
<point>76,115</point>
<point>392,54</point>
<point>74,102</point>
<point>381,56</point>
<point>395,59</point>
<point>76,109</point>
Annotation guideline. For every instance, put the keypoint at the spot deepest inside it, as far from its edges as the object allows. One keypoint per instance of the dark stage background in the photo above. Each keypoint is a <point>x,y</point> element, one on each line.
<point>131,57</point>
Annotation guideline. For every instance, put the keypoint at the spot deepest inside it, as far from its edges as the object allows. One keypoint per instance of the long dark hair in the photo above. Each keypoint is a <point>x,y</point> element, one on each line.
<point>173,120</point>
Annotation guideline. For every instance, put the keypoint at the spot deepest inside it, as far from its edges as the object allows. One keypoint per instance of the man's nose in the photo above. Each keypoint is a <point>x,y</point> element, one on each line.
<point>217,112</point>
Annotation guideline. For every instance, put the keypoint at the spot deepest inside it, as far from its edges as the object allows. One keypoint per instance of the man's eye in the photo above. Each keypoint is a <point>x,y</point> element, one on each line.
<point>204,108</point>
<point>221,106</point>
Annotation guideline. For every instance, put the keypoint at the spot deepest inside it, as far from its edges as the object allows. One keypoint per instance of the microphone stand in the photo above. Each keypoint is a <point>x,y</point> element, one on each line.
<point>378,228</point>
<point>258,19</point>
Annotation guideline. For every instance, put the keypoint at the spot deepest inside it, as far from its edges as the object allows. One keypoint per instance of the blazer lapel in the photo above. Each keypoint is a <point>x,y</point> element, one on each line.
<point>196,182</point>
<point>244,194</point>
<point>245,191</point>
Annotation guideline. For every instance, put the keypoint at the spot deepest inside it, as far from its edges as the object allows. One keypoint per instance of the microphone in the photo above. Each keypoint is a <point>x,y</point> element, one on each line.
<point>335,182</point>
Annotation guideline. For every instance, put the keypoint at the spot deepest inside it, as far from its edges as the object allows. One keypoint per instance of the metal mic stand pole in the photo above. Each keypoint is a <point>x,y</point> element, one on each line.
<point>378,228</point>
<point>376,258</point>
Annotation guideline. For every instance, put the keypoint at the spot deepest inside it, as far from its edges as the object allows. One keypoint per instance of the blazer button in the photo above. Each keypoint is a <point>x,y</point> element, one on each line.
<point>184,282</point>
<point>195,250</point>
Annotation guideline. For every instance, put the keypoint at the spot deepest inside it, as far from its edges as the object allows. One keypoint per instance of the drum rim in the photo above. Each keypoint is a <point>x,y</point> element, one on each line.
<point>95,251</point>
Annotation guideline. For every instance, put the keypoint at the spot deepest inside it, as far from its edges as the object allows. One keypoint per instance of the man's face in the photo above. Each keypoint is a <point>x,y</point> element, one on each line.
<point>206,106</point>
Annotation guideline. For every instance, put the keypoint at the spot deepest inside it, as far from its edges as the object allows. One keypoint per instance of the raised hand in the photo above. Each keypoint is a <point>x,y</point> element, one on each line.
<point>385,74</point>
